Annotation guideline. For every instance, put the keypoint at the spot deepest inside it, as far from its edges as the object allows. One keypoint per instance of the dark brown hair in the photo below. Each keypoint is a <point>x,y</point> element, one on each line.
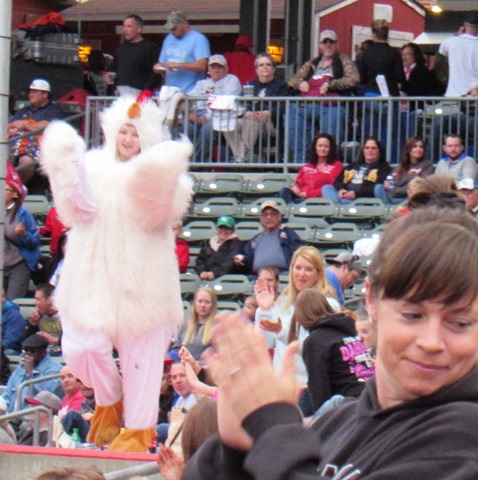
<point>405,160</point>
<point>310,307</point>
<point>200,424</point>
<point>331,157</point>
<point>430,254</point>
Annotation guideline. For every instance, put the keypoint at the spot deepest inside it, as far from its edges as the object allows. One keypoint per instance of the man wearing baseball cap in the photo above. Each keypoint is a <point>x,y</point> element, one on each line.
<point>273,247</point>
<point>216,258</point>
<point>330,74</point>
<point>36,364</point>
<point>44,399</point>
<point>184,53</point>
<point>35,117</point>
<point>342,272</point>
<point>468,187</point>
<point>200,127</point>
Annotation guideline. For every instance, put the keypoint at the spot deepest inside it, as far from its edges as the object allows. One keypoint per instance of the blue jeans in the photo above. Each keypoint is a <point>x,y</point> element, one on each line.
<point>203,141</point>
<point>380,192</point>
<point>305,118</point>
<point>289,196</point>
<point>331,192</point>
<point>73,420</point>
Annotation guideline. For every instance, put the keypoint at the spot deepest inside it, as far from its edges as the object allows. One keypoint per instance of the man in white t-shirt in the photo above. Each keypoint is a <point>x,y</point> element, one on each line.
<point>462,53</point>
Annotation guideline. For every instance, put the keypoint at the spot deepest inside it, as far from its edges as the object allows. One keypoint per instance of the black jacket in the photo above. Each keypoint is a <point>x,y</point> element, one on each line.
<point>337,361</point>
<point>219,262</point>
<point>432,437</point>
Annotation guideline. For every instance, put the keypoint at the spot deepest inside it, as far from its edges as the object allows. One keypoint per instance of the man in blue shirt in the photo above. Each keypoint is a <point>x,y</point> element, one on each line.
<point>184,54</point>
<point>342,272</point>
<point>13,327</point>
<point>36,364</point>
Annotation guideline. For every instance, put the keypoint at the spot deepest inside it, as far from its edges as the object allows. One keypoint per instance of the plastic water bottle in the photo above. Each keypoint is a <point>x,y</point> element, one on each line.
<point>391,181</point>
<point>75,436</point>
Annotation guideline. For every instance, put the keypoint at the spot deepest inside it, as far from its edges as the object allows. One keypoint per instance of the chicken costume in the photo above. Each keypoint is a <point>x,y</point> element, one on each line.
<point>119,283</point>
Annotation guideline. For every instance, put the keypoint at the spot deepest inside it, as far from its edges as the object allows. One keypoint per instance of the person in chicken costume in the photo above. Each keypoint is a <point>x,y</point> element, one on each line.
<point>119,284</point>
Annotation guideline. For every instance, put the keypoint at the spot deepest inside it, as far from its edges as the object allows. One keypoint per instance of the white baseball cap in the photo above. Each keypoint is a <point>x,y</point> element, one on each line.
<point>40,84</point>
<point>217,59</point>
<point>467,184</point>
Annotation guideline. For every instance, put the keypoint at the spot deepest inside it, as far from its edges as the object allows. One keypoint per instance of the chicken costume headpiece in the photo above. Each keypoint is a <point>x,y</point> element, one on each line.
<point>145,116</point>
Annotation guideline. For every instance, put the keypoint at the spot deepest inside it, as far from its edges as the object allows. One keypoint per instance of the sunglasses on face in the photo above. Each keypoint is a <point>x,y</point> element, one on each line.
<point>328,42</point>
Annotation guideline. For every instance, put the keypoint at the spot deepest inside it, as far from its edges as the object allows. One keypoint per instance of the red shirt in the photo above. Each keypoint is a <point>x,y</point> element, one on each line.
<point>182,252</point>
<point>71,402</point>
<point>53,228</point>
<point>311,179</point>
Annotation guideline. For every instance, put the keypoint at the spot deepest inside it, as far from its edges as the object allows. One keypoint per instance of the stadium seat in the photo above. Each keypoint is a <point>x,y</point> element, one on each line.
<point>38,206</point>
<point>228,305</point>
<point>253,209</point>
<point>189,283</point>
<point>232,286</point>
<point>215,207</point>
<point>362,210</point>
<point>314,211</point>
<point>198,231</point>
<point>221,184</point>
<point>305,232</point>
<point>26,305</point>
<point>336,235</point>
<point>248,229</point>
<point>267,184</point>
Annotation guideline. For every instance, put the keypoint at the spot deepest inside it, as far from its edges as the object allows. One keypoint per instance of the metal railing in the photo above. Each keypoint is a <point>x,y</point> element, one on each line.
<point>30,383</point>
<point>280,142</point>
<point>36,421</point>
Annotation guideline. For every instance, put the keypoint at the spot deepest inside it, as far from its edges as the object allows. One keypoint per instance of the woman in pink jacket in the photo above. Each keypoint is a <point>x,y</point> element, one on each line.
<point>322,168</point>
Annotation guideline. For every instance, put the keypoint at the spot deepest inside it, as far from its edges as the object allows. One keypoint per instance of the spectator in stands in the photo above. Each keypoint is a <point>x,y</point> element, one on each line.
<point>380,59</point>
<point>96,81</point>
<point>419,82</point>
<point>197,333</point>
<point>412,164</point>
<point>330,370</point>
<point>36,364</point>
<point>360,178</point>
<point>249,308</point>
<point>342,272</point>
<point>262,116</point>
<point>462,54</point>
<point>87,472</point>
<point>35,117</point>
<point>241,61</point>
<point>134,58</point>
<point>184,54</point>
<point>199,424</point>
<point>13,327</point>
<point>44,320</point>
<point>46,399</point>
<point>425,381</point>
<point>53,228</point>
<point>201,118</point>
<point>273,247</point>
<point>166,397</point>
<point>216,257</point>
<point>182,248</point>
<point>322,168</point>
<point>306,271</point>
<point>468,187</point>
<point>185,398</point>
<point>331,74</point>
<point>22,239</point>
<point>456,163</point>
<point>4,368</point>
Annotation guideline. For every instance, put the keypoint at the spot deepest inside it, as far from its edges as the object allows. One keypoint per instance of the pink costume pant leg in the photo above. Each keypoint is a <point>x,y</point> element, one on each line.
<point>142,360</point>
<point>89,355</point>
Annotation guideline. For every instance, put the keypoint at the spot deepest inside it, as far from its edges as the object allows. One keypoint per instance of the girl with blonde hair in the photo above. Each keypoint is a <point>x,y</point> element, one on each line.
<point>274,317</point>
<point>197,333</point>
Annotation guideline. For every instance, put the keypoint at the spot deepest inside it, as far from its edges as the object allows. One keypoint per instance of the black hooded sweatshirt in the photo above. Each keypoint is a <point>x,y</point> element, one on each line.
<point>337,361</point>
<point>433,437</point>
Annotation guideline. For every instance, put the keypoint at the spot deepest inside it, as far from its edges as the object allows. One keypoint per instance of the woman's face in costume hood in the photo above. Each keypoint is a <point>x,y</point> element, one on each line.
<point>127,142</point>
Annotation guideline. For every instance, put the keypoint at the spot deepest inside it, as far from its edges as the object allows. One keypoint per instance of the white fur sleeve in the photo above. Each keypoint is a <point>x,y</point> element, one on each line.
<point>63,152</point>
<point>160,189</point>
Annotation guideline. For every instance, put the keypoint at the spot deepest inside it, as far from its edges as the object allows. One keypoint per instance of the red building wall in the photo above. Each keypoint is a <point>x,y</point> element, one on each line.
<point>360,13</point>
<point>22,9</point>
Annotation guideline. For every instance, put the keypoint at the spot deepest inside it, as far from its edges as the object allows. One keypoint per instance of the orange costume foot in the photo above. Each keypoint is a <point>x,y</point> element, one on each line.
<point>130,440</point>
<point>106,424</point>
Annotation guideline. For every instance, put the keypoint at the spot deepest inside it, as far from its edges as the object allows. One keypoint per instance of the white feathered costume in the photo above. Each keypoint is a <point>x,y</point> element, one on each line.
<point>119,283</point>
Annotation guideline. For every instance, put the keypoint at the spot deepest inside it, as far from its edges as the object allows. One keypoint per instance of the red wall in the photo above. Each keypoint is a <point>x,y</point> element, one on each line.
<point>361,14</point>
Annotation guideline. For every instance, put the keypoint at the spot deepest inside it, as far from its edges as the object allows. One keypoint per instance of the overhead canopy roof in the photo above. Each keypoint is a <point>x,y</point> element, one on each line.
<point>432,38</point>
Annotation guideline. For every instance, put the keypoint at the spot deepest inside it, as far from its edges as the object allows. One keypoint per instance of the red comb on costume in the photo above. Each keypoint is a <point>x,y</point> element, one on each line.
<point>145,96</point>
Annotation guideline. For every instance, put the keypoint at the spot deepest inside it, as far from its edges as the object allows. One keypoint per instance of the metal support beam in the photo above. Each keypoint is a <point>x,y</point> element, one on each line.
<point>299,16</point>
<point>254,20</point>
